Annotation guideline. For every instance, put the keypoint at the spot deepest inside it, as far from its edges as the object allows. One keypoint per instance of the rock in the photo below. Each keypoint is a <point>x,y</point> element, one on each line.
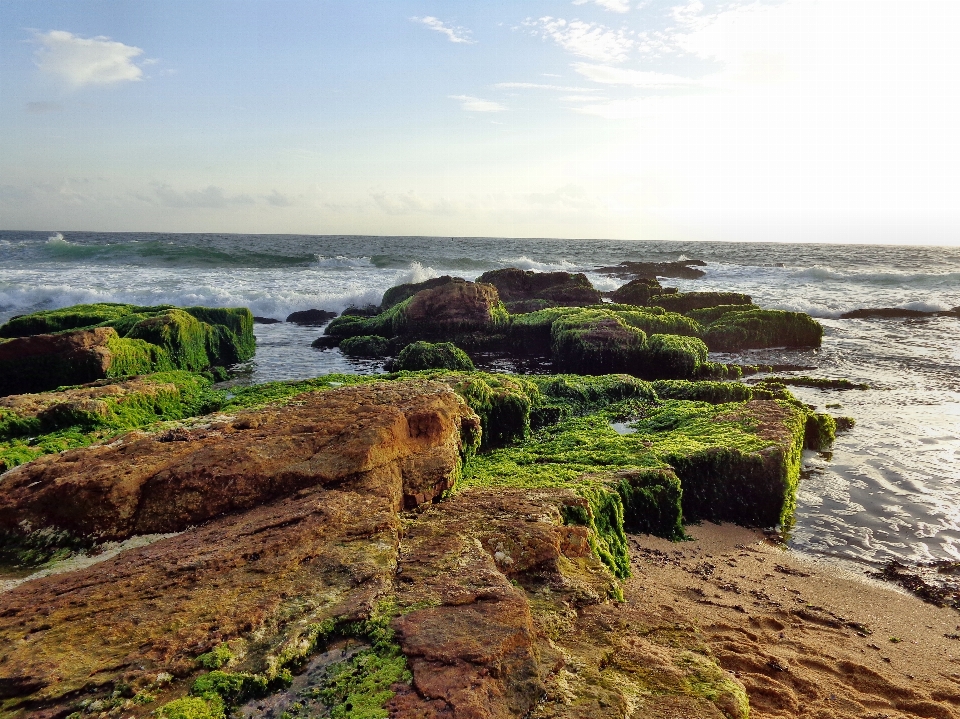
<point>444,312</point>
<point>363,346</point>
<point>896,313</point>
<point>684,302</point>
<point>755,329</point>
<point>43,362</point>
<point>595,342</point>
<point>365,311</point>
<point>146,339</point>
<point>636,292</point>
<point>427,355</point>
<point>523,290</point>
<point>167,485</point>
<point>107,407</point>
<point>265,320</point>
<point>311,318</point>
<point>396,295</point>
<point>683,269</point>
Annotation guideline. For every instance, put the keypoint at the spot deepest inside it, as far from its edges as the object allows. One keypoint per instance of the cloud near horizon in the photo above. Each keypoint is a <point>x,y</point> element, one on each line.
<point>83,61</point>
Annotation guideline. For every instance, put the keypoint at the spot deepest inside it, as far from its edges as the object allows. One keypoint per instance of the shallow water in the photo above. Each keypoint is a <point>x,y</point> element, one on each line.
<point>889,489</point>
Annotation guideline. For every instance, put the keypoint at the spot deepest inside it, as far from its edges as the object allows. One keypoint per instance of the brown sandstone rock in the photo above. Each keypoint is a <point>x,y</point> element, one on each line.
<point>76,357</point>
<point>167,482</point>
<point>452,307</point>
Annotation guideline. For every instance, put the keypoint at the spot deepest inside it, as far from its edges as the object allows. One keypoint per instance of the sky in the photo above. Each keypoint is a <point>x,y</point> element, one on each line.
<point>768,120</point>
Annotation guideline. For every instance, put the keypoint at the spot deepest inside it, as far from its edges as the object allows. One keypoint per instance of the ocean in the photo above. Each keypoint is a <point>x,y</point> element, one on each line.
<point>889,489</point>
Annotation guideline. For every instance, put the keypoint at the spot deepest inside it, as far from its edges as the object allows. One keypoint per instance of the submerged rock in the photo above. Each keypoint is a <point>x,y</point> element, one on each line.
<point>682,269</point>
<point>897,313</point>
<point>311,318</point>
<point>524,290</point>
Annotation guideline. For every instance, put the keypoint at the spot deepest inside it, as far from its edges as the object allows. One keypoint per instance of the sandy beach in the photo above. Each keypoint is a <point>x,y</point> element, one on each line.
<point>806,639</point>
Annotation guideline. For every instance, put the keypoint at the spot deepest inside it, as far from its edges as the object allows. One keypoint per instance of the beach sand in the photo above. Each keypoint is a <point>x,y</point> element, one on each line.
<point>806,639</point>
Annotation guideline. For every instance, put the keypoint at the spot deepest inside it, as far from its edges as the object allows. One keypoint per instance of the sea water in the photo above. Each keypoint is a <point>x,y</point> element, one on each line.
<point>890,488</point>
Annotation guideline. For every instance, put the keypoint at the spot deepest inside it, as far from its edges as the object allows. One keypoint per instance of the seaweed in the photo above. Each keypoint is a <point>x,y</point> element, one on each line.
<point>365,346</point>
<point>428,355</point>
<point>762,328</point>
<point>684,302</point>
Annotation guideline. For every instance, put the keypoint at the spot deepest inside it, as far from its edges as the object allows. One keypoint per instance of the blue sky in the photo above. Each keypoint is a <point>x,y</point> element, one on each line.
<point>820,120</point>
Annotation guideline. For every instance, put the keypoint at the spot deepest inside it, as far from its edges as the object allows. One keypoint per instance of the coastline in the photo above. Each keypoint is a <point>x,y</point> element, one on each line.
<point>792,628</point>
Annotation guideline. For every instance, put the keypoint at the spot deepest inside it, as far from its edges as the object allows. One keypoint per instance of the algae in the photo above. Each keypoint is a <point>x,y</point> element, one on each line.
<point>428,355</point>
<point>762,328</point>
<point>365,346</point>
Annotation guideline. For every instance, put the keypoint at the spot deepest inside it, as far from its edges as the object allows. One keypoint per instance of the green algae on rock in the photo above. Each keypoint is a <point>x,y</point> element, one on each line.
<point>32,425</point>
<point>429,355</point>
<point>365,346</point>
<point>90,342</point>
<point>684,302</point>
<point>756,329</point>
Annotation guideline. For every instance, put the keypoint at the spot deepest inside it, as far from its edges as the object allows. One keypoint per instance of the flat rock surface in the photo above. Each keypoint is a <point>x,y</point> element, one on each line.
<point>169,481</point>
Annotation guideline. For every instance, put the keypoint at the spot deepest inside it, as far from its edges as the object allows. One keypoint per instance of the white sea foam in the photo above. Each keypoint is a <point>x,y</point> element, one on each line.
<point>525,263</point>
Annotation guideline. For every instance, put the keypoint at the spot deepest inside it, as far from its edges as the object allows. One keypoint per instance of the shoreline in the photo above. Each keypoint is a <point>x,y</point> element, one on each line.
<point>807,639</point>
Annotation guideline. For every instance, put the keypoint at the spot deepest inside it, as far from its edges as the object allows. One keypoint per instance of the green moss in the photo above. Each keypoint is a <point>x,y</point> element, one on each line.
<point>706,315</point>
<point>62,421</point>
<point>348,326</point>
<point>230,687</point>
<point>664,323</point>
<point>192,338</point>
<point>268,393</point>
<point>703,391</point>
<point>845,424</point>
<point>671,356</point>
<point>727,470</point>
<point>651,502</point>
<point>595,342</point>
<point>762,328</point>
<point>132,357</point>
<point>217,657</point>
<point>192,708</point>
<point>704,678</point>
<point>428,355</point>
<point>684,302</point>
<point>70,318</point>
<point>40,547</point>
<point>503,403</point>
<point>359,688</point>
<point>365,346</point>
<point>821,431</point>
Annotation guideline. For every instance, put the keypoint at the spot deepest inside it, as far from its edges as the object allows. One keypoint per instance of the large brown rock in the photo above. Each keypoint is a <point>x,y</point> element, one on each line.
<point>456,306</point>
<point>524,290</point>
<point>169,481</point>
<point>41,362</point>
<point>339,466</point>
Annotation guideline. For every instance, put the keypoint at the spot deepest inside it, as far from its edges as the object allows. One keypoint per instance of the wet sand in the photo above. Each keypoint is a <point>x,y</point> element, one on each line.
<point>806,639</point>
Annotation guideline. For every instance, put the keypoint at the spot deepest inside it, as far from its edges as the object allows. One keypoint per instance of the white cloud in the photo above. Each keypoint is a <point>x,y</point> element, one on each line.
<point>539,86</point>
<point>86,61</point>
<point>454,34</point>
<point>589,40</point>
<point>634,78</point>
<point>612,5</point>
<point>475,104</point>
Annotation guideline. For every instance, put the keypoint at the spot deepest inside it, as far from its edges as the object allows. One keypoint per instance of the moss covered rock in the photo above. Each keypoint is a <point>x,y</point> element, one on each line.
<point>703,391</point>
<point>595,341</point>
<point>365,346</point>
<point>525,291</point>
<point>687,301</point>
<point>144,339</point>
<point>637,292</point>
<point>671,356</point>
<point>399,293</point>
<point>762,328</point>
<point>706,315</point>
<point>429,355</point>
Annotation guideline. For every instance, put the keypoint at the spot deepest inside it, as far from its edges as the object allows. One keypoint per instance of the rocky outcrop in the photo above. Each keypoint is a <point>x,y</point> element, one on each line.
<point>180,478</point>
<point>493,602</point>
<point>525,291</point>
<point>397,294</point>
<point>896,313</point>
<point>311,318</point>
<point>637,292</point>
<point>444,312</point>
<point>43,362</point>
<point>682,269</point>
<point>114,340</point>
